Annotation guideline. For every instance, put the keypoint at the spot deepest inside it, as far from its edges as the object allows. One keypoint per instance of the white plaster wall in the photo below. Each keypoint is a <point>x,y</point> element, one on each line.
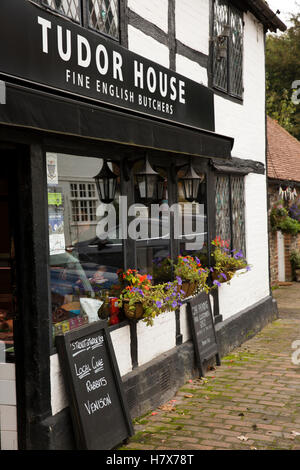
<point>192,23</point>
<point>246,123</point>
<point>157,339</point>
<point>155,11</point>
<point>121,344</point>
<point>247,289</point>
<point>144,45</point>
<point>8,408</point>
<point>191,69</point>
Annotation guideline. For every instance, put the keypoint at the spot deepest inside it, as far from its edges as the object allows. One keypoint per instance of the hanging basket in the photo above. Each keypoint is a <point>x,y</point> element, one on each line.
<point>189,288</point>
<point>216,276</point>
<point>135,314</point>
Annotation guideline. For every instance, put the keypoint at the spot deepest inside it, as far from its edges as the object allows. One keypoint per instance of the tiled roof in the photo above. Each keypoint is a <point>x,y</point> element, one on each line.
<point>283,153</point>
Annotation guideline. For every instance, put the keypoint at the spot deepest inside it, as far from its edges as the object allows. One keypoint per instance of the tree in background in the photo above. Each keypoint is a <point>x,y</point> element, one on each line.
<point>283,68</point>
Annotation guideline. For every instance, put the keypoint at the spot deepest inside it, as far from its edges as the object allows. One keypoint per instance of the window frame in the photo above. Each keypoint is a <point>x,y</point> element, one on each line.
<point>231,9</point>
<point>230,176</point>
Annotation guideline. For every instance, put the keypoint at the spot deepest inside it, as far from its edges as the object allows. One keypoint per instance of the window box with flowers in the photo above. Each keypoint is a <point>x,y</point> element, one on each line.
<point>227,262</point>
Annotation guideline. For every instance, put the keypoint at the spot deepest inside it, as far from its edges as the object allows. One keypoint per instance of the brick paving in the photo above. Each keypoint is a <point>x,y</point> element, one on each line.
<point>252,401</point>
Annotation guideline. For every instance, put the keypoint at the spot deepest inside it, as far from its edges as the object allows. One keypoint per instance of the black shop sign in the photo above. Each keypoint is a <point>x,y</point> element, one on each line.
<point>98,407</point>
<point>203,331</point>
<point>45,49</point>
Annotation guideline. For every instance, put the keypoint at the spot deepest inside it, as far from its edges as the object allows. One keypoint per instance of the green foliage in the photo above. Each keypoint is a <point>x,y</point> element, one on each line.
<point>295,259</point>
<point>283,68</point>
<point>280,220</point>
<point>289,225</point>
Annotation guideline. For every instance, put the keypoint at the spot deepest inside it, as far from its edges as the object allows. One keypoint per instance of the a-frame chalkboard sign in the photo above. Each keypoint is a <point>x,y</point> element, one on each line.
<point>203,330</point>
<point>100,416</point>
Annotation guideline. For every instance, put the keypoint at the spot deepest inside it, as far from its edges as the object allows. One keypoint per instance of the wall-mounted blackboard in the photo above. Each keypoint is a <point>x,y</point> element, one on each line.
<point>97,403</point>
<point>203,330</point>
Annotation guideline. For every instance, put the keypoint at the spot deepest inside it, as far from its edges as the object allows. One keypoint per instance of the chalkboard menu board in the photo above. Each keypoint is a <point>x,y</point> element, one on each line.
<point>203,330</point>
<point>97,403</point>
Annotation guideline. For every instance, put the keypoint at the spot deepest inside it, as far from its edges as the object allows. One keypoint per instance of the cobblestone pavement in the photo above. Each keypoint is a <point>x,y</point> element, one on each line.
<point>252,401</point>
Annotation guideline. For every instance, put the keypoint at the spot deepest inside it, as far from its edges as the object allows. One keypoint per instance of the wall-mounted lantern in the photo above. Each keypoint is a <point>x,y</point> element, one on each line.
<point>191,183</point>
<point>106,182</point>
<point>150,184</point>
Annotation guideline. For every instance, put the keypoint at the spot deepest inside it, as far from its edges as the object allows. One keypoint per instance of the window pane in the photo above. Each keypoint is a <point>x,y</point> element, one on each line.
<point>221,18</point>
<point>238,213</point>
<point>69,8</point>
<point>152,233</point>
<point>104,16</point>
<point>223,226</point>
<point>83,265</point>
<point>193,241</point>
<point>8,301</point>
<point>236,53</point>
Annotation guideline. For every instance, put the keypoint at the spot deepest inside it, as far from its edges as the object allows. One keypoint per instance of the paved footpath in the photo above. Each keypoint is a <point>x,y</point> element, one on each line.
<point>251,402</point>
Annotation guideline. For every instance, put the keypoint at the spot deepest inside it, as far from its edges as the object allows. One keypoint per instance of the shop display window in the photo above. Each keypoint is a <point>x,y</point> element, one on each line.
<point>154,230</point>
<point>194,239</point>
<point>84,266</point>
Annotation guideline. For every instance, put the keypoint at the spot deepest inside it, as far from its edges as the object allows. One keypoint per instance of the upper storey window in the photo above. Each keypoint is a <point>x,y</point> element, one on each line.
<point>69,8</point>
<point>104,16</point>
<point>99,15</point>
<point>228,48</point>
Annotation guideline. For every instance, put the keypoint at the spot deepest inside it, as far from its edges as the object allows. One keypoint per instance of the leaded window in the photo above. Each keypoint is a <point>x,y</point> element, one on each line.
<point>99,15</point>
<point>104,16</point>
<point>230,210</point>
<point>228,48</point>
<point>69,8</point>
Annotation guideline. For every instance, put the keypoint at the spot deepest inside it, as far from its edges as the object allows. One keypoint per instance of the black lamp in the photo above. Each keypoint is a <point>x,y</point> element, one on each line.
<point>191,182</point>
<point>150,183</point>
<point>106,182</point>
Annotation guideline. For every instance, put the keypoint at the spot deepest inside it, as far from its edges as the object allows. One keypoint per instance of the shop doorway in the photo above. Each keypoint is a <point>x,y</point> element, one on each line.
<point>8,304</point>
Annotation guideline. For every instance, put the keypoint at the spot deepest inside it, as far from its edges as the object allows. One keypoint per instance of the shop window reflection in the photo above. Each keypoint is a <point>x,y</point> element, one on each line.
<point>83,266</point>
<point>153,244</point>
<point>194,240</point>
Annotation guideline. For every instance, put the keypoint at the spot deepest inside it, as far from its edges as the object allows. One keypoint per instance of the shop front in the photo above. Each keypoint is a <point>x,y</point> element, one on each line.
<point>76,148</point>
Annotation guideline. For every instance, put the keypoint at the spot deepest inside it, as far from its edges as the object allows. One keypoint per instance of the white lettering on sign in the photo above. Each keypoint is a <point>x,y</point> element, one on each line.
<point>85,344</point>
<point>97,405</point>
<point>90,386</point>
<point>82,371</point>
<point>168,87</point>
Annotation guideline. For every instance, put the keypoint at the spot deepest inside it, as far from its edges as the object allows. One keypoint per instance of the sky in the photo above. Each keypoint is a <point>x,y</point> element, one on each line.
<point>285,7</point>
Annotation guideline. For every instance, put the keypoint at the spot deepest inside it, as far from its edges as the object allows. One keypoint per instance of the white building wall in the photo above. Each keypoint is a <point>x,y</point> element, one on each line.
<point>146,46</point>
<point>155,11</point>
<point>192,24</point>
<point>8,408</point>
<point>191,69</point>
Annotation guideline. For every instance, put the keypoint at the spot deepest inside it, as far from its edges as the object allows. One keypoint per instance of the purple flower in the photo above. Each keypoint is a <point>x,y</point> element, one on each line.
<point>224,275</point>
<point>211,270</point>
<point>167,299</point>
<point>179,280</point>
<point>158,303</point>
<point>248,268</point>
<point>149,277</point>
<point>197,260</point>
<point>174,304</point>
<point>217,283</point>
<point>238,255</point>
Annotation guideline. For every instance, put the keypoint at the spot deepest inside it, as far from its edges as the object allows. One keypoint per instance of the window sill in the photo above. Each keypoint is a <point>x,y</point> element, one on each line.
<point>228,97</point>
